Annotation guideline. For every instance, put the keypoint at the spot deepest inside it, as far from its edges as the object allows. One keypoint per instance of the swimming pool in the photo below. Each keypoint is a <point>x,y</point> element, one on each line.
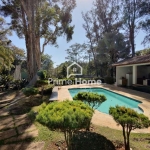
<point>113,99</point>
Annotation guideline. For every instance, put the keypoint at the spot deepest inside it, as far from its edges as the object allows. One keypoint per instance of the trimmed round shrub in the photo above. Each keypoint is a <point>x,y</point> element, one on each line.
<point>94,100</point>
<point>67,116</point>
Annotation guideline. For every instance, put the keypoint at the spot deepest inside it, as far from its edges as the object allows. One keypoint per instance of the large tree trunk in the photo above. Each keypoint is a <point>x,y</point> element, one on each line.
<point>32,40</point>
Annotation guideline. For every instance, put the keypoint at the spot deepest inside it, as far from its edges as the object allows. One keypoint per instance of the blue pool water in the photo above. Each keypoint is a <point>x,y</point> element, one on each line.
<point>113,99</point>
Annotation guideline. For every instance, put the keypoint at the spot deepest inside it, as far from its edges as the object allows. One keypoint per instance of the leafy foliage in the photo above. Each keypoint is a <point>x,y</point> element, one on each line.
<point>47,64</point>
<point>42,74</point>
<point>76,52</point>
<point>68,116</point>
<point>40,83</point>
<point>5,79</point>
<point>129,120</point>
<point>92,99</point>
<point>48,90</point>
<point>30,91</point>
<point>143,52</point>
<point>144,11</point>
<point>44,19</point>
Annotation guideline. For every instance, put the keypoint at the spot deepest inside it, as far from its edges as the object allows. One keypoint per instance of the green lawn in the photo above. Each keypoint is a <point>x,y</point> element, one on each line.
<point>100,137</point>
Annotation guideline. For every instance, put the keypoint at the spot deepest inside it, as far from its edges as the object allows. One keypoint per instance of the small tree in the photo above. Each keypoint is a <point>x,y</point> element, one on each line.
<point>68,116</point>
<point>129,120</point>
<point>92,99</point>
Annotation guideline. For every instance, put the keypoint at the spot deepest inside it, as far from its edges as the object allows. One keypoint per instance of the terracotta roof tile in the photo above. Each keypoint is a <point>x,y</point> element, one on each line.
<point>134,60</point>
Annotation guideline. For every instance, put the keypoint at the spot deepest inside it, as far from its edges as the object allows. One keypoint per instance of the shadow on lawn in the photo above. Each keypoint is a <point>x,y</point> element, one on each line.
<point>91,141</point>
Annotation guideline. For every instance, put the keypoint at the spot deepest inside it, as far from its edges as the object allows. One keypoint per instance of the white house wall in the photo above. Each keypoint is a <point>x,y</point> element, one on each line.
<point>121,71</point>
<point>137,71</point>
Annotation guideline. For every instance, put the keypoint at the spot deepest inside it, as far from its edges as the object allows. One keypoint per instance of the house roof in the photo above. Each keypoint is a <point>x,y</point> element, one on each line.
<point>134,60</point>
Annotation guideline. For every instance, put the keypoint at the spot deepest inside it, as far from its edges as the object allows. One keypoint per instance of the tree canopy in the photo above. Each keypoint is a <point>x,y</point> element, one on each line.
<point>36,19</point>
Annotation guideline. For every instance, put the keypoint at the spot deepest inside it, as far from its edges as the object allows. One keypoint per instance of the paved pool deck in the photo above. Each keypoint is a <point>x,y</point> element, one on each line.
<point>105,119</point>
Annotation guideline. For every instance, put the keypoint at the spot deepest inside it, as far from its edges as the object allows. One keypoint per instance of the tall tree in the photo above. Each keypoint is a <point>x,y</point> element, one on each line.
<point>36,19</point>
<point>6,55</point>
<point>130,19</point>
<point>102,18</point>
<point>144,10</point>
<point>77,52</point>
<point>111,48</point>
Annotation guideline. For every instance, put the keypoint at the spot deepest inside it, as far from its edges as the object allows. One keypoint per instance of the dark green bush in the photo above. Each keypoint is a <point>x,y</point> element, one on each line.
<point>30,91</point>
<point>31,115</point>
<point>48,90</point>
<point>40,83</point>
<point>92,99</point>
<point>42,74</point>
<point>109,80</point>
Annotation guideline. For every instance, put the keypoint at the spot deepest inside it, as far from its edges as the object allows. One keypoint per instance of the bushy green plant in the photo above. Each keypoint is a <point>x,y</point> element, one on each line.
<point>48,90</point>
<point>40,83</point>
<point>129,120</point>
<point>92,99</point>
<point>42,74</point>
<point>5,79</point>
<point>30,91</point>
<point>109,80</point>
<point>31,115</point>
<point>67,116</point>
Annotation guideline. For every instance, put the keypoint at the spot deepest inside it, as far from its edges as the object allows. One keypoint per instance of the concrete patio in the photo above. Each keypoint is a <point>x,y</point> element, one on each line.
<point>105,119</point>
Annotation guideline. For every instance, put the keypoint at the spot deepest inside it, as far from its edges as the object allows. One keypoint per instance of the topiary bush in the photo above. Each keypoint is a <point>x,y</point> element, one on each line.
<point>92,99</point>
<point>66,116</point>
<point>109,80</point>
<point>30,91</point>
<point>129,119</point>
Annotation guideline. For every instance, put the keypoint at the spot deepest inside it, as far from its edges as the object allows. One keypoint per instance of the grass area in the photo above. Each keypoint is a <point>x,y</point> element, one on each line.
<point>47,135</point>
<point>102,135</point>
<point>138,141</point>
